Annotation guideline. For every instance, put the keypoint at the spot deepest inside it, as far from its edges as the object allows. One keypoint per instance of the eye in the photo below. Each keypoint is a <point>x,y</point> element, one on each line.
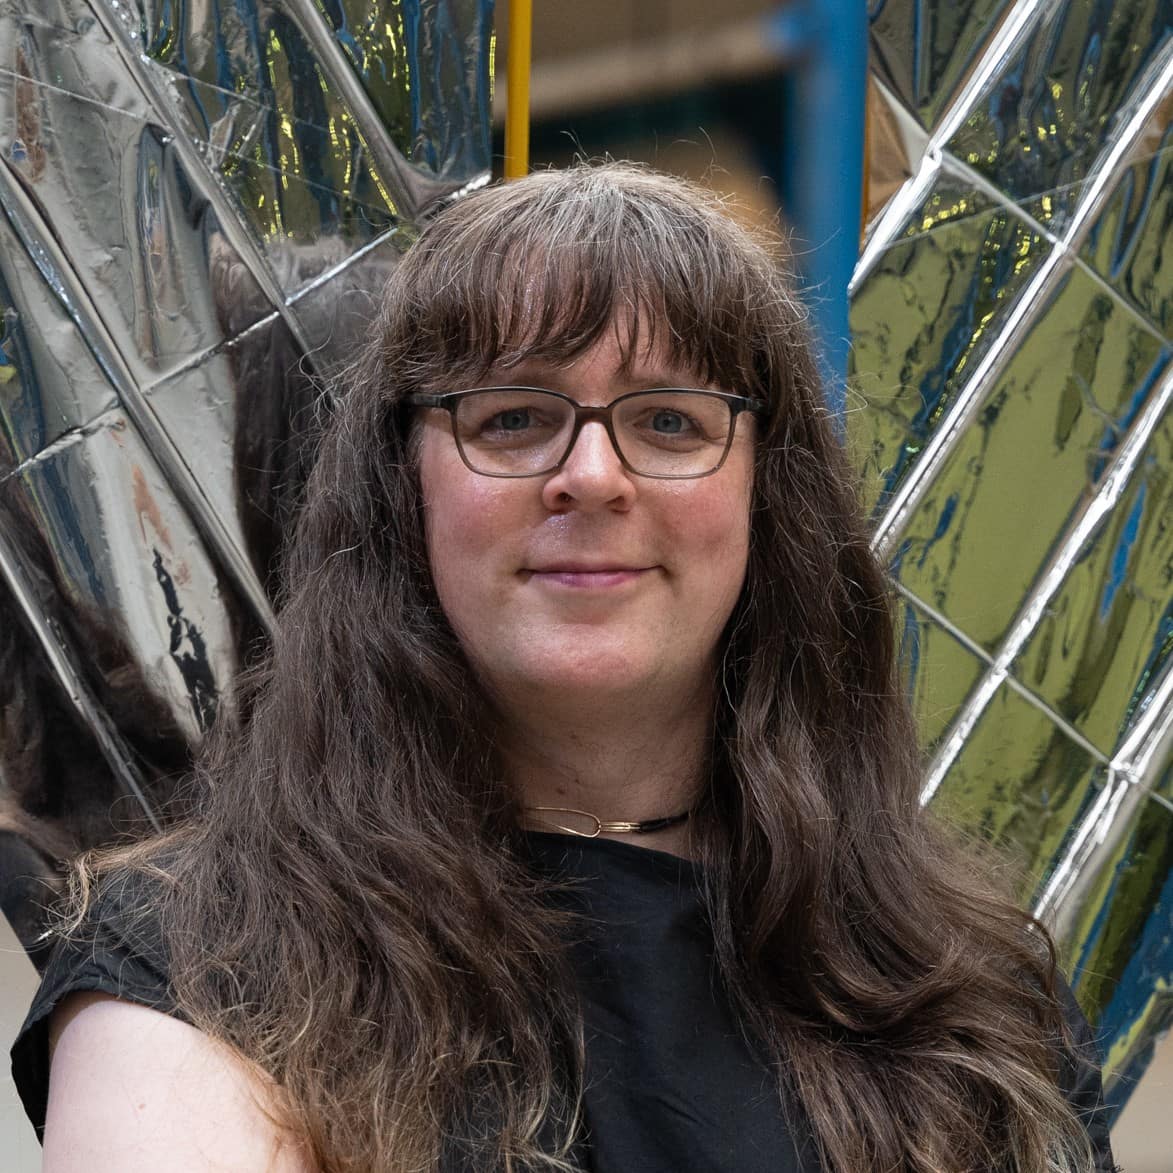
<point>665,424</point>
<point>509,417</point>
<point>669,423</point>
<point>515,419</point>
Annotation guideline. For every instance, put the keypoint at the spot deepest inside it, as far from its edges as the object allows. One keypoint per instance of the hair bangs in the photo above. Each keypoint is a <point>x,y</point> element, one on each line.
<point>547,282</point>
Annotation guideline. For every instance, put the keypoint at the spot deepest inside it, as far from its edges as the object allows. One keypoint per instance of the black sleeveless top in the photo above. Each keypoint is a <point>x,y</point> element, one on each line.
<point>670,1084</point>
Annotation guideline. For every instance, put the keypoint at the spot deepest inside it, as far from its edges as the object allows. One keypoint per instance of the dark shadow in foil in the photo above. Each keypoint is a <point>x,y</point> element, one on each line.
<point>60,795</point>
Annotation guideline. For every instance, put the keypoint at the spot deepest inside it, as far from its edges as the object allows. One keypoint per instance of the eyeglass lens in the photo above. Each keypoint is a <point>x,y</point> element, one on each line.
<point>510,431</point>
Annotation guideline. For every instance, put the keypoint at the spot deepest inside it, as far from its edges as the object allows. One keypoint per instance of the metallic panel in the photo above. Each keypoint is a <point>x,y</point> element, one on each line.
<point>1055,101</point>
<point>247,92</point>
<point>939,669</point>
<point>143,239</point>
<point>1020,783</point>
<point>925,50</point>
<point>1012,426</point>
<point>411,59</point>
<point>1057,412</point>
<point>339,305</point>
<point>97,518</point>
<point>929,312</point>
<point>47,386</point>
<point>199,204</point>
<point>1105,639</point>
<point>1118,944</point>
<point>197,411</point>
<point>1130,244</point>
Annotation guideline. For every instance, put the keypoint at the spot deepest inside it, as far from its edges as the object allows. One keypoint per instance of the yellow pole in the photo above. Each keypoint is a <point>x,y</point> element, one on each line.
<point>517,68</point>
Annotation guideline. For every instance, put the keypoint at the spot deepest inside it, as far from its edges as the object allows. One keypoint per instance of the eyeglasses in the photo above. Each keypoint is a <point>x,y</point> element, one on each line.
<point>666,432</point>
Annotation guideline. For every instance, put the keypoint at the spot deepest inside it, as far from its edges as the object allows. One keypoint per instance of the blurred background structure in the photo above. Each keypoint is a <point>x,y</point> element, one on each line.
<point>198,202</point>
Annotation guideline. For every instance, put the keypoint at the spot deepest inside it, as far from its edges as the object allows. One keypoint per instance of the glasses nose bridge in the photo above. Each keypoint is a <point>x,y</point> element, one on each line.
<point>592,415</point>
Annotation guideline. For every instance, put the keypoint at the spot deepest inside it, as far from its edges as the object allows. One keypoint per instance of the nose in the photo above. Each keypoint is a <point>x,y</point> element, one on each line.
<point>592,475</point>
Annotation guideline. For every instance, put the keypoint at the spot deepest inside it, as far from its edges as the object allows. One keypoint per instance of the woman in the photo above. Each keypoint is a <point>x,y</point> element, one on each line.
<point>512,618</point>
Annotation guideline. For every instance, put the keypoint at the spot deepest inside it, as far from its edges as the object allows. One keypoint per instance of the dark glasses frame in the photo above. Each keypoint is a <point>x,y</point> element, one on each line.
<point>449,401</point>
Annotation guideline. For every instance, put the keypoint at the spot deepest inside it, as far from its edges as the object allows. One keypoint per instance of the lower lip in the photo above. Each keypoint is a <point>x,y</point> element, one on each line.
<point>587,580</point>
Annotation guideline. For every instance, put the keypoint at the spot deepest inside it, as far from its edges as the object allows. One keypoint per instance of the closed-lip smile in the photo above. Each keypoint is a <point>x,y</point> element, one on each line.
<point>584,575</point>
<point>584,568</point>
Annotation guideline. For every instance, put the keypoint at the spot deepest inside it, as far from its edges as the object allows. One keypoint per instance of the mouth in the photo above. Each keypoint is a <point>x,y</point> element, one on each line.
<point>575,576</point>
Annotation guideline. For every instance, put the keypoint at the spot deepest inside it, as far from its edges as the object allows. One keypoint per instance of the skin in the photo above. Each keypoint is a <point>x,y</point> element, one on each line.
<point>602,682</point>
<point>135,1091</point>
<point>604,686</point>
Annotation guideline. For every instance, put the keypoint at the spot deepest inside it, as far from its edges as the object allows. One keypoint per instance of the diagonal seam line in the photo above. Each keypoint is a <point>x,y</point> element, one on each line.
<point>1155,84</point>
<point>334,270</point>
<point>339,73</point>
<point>959,167</point>
<point>1026,309</point>
<point>199,173</point>
<point>35,235</point>
<point>1056,719</point>
<point>1095,512</point>
<point>1018,24</point>
<point>1151,728</point>
<point>1091,831</point>
<point>60,443</point>
<point>1029,306</point>
<point>981,654</point>
<point>117,753</point>
<point>971,645</point>
<point>248,100</point>
<point>144,120</point>
<point>1093,516</point>
<point>47,85</point>
<point>195,360</point>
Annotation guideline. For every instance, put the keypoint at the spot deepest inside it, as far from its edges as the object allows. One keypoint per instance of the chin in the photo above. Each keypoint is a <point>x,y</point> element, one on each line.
<point>587,666</point>
<point>600,680</point>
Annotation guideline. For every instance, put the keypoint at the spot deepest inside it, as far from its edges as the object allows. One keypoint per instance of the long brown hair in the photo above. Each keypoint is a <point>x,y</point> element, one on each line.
<point>347,907</point>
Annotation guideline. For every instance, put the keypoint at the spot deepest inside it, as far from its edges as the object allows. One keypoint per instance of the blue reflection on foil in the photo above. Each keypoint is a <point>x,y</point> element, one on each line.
<point>1123,548</point>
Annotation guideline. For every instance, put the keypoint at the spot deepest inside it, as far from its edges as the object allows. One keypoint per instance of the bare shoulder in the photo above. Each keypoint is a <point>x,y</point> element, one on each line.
<point>132,1089</point>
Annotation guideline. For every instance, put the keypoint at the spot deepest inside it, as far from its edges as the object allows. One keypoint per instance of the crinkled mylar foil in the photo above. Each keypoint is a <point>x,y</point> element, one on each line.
<point>197,204</point>
<point>1011,314</point>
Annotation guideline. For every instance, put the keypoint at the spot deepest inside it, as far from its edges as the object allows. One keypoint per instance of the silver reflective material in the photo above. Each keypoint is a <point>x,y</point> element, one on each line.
<point>198,203</point>
<point>1013,374</point>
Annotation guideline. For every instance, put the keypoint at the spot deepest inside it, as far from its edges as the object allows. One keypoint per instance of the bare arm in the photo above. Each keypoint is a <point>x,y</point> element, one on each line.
<point>132,1090</point>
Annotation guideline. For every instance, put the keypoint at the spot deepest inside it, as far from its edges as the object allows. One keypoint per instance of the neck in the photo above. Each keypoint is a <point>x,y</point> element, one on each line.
<point>626,759</point>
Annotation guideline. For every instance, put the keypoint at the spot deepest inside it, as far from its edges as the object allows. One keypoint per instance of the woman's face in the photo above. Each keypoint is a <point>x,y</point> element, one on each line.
<point>590,581</point>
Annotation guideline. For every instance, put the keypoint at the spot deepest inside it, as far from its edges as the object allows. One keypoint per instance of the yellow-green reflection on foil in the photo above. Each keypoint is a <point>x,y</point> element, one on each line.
<point>1104,640</point>
<point>1019,783</point>
<point>938,669</point>
<point>1009,487</point>
<point>1130,244</point>
<point>923,321</point>
<point>1011,321</point>
<point>1119,945</point>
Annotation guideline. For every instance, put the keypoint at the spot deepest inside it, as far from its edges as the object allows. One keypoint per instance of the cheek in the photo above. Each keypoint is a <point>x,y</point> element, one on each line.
<point>467,519</point>
<point>711,528</point>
